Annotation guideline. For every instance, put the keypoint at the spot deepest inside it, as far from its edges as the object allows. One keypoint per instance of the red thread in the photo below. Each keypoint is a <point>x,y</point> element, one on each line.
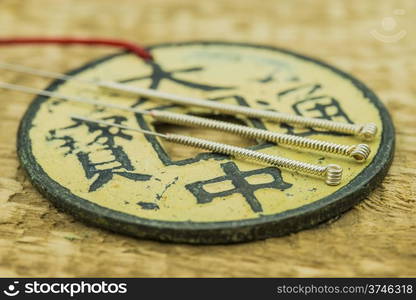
<point>136,49</point>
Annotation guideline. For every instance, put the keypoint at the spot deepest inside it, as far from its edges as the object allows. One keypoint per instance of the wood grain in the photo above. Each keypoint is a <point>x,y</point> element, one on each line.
<point>375,238</point>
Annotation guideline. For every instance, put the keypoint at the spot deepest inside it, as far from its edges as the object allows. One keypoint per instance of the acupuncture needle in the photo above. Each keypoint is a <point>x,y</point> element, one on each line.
<point>366,131</point>
<point>358,152</point>
<point>332,173</point>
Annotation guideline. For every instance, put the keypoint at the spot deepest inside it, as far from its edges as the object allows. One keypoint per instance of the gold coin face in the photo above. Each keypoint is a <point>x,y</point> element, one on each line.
<point>130,182</point>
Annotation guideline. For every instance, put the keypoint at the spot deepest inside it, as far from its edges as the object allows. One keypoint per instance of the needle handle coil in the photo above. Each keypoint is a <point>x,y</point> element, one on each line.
<point>331,173</point>
<point>364,131</point>
<point>359,152</point>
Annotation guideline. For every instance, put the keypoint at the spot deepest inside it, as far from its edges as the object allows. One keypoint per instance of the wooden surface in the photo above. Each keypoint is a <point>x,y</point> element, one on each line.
<point>376,238</point>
